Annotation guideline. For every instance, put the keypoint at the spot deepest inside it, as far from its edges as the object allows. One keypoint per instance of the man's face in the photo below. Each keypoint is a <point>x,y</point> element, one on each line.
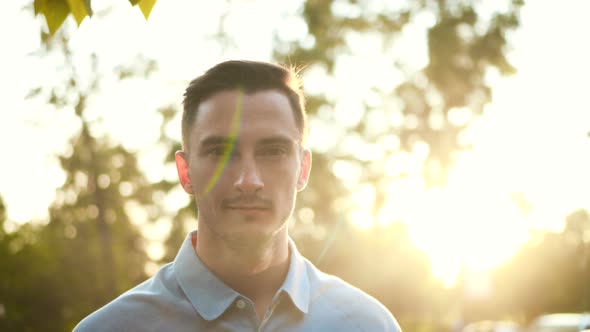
<point>244,164</point>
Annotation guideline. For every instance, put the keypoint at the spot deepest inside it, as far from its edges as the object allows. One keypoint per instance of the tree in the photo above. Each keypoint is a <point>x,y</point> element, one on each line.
<point>90,250</point>
<point>56,11</point>
<point>462,49</point>
<point>27,298</point>
<point>550,273</point>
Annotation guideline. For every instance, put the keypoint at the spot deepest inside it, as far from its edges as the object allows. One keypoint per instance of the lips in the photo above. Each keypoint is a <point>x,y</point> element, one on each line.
<point>247,208</point>
<point>249,203</point>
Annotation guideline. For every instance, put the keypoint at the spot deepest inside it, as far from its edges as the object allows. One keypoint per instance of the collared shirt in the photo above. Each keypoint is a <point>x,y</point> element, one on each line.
<point>185,296</point>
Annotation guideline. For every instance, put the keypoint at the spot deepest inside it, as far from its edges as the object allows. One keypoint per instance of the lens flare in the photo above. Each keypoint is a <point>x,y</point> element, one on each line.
<point>227,154</point>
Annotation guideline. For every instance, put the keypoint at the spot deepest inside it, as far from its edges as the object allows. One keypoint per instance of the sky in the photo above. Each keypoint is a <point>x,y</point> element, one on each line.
<point>530,146</point>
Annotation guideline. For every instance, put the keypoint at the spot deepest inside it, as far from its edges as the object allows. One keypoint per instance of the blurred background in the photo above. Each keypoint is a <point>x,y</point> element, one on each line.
<point>451,149</point>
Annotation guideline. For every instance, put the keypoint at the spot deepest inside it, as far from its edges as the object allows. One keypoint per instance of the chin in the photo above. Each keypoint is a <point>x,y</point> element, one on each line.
<point>253,235</point>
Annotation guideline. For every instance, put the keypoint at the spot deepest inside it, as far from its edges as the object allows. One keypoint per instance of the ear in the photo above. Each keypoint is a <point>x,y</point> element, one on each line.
<point>182,168</point>
<point>305,170</point>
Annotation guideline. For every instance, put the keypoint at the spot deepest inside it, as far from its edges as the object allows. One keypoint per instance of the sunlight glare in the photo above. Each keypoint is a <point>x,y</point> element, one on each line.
<point>361,219</point>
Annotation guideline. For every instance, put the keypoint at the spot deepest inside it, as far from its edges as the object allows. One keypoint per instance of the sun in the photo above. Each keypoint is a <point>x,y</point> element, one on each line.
<point>473,223</point>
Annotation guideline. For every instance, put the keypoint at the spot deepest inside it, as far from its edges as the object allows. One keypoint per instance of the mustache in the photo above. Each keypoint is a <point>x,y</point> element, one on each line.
<point>247,200</point>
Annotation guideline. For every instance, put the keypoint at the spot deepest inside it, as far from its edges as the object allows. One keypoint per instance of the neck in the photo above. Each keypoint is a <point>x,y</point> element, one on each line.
<point>256,271</point>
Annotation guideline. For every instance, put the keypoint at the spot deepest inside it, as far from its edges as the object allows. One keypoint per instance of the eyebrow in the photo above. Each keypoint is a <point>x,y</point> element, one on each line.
<point>282,140</point>
<point>217,140</point>
<point>224,140</point>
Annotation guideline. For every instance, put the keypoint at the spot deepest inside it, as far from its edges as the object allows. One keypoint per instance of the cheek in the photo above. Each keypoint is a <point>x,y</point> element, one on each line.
<point>282,177</point>
<point>282,185</point>
<point>286,204</point>
<point>206,180</point>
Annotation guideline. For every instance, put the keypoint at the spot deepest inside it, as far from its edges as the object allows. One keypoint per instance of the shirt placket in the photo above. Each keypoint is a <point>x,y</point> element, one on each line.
<point>268,314</point>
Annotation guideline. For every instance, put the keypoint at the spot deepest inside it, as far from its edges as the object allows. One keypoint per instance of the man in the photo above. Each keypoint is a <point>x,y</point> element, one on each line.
<point>243,160</point>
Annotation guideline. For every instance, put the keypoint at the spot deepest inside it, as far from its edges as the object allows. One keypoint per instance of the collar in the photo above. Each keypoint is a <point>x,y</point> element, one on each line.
<point>211,297</point>
<point>296,284</point>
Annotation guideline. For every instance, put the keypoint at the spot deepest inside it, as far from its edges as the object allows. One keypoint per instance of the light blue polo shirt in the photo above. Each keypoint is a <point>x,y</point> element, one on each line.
<point>185,296</point>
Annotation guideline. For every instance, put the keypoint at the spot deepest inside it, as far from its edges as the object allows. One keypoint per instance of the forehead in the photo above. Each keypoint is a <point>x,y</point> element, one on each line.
<point>248,116</point>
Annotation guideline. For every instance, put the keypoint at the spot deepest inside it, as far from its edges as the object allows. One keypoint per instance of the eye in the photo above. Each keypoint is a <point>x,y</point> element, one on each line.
<point>218,151</point>
<point>273,151</point>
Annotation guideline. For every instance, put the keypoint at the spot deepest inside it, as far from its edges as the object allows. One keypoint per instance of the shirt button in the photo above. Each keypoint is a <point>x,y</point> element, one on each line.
<point>241,304</point>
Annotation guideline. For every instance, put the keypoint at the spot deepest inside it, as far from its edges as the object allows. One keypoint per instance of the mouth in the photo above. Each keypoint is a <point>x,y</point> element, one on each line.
<point>246,203</point>
<point>247,208</point>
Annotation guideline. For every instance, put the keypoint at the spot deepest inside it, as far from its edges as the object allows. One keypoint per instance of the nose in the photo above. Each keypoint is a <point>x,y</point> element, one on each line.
<point>249,180</point>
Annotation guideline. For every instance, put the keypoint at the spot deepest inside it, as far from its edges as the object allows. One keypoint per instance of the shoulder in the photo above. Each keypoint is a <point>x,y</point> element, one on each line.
<point>339,299</point>
<point>137,308</point>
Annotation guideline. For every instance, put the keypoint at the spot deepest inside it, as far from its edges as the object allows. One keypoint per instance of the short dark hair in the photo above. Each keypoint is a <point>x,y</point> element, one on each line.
<point>251,77</point>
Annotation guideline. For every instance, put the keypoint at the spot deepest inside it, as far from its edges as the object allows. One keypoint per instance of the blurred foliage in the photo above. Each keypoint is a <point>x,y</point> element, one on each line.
<point>463,47</point>
<point>56,11</point>
<point>550,273</point>
<point>91,248</point>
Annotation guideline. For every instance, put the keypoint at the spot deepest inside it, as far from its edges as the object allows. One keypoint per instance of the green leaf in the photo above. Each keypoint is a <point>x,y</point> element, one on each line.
<point>55,12</point>
<point>88,7</point>
<point>134,2</point>
<point>38,5</point>
<point>146,7</point>
<point>78,9</point>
